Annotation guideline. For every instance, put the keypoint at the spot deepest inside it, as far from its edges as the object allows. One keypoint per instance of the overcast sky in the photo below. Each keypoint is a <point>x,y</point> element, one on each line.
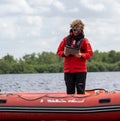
<point>28,26</point>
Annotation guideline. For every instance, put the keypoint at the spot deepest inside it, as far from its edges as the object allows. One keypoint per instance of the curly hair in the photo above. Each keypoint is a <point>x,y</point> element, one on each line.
<point>76,23</point>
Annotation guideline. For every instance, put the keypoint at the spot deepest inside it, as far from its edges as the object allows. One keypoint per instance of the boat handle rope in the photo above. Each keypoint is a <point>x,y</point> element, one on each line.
<point>96,92</point>
<point>46,95</point>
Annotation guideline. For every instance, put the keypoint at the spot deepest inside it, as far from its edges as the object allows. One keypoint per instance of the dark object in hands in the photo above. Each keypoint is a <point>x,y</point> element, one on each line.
<point>71,50</point>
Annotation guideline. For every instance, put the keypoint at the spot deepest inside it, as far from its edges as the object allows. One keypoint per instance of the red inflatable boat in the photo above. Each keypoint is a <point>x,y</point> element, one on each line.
<point>94,105</point>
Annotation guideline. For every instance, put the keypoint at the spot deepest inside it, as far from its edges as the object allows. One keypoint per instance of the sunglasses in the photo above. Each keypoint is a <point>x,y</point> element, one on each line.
<point>76,30</point>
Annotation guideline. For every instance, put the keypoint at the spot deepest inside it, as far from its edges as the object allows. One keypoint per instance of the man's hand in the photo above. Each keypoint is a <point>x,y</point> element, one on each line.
<point>65,52</point>
<point>79,55</point>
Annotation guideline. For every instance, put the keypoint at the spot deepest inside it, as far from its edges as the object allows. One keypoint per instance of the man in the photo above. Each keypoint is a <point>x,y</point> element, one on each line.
<point>75,49</point>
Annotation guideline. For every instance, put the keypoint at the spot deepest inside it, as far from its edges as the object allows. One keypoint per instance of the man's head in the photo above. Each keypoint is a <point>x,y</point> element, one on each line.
<point>77,26</point>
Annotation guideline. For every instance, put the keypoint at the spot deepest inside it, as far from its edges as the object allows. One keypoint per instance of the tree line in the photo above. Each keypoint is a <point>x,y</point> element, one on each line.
<point>49,62</point>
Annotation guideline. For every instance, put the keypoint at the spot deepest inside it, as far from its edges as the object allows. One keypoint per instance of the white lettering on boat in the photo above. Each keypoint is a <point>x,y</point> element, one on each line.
<point>56,100</point>
<point>41,101</point>
<point>76,101</point>
<point>65,101</point>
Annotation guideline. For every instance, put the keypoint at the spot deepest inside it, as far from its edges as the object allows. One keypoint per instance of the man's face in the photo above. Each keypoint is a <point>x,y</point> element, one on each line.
<point>76,30</point>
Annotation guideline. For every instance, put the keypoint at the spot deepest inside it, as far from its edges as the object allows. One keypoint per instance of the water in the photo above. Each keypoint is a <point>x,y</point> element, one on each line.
<point>54,82</point>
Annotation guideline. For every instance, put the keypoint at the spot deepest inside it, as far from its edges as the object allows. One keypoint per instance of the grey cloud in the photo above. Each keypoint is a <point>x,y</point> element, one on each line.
<point>14,7</point>
<point>37,25</point>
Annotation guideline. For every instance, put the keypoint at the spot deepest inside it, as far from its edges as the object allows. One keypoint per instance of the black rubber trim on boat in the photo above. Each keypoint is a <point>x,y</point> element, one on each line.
<point>105,100</point>
<point>3,101</point>
<point>37,109</point>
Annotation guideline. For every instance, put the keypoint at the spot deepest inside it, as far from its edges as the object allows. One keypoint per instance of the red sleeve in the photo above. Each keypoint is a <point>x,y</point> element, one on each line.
<point>60,50</point>
<point>88,52</point>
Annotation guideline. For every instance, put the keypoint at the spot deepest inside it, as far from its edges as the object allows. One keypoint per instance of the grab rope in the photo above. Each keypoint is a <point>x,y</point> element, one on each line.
<point>96,92</point>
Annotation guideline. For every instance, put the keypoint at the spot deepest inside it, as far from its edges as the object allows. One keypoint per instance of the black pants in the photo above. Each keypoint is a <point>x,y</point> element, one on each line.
<point>75,81</point>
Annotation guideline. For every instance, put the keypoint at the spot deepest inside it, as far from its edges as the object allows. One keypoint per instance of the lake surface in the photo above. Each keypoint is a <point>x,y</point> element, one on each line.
<point>54,82</point>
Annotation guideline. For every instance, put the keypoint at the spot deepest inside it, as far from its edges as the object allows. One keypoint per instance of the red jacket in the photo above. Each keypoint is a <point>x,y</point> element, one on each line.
<point>75,64</point>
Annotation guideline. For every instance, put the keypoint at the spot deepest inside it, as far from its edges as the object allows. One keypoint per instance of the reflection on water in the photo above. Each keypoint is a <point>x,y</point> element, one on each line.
<point>55,81</point>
